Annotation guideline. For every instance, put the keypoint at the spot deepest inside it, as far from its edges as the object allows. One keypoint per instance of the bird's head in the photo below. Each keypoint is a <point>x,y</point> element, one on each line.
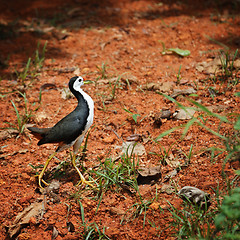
<point>76,82</point>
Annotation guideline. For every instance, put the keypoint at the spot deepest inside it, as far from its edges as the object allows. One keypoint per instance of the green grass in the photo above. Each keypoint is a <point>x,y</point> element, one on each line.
<point>192,222</point>
<point>102,70</point>
<point>32,68</point>
<point>133,115</point>
<point>24,117</point>
<point>90,231</point>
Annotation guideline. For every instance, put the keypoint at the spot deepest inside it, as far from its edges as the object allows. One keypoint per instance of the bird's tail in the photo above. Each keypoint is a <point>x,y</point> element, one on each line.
<point>39,133</point>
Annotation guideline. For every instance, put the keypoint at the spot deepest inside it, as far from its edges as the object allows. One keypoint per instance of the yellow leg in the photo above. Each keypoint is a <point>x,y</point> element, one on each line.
<point>43,170</point>
<point>82,179</point>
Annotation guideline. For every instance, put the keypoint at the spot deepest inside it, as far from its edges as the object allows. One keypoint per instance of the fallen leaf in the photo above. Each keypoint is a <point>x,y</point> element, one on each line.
<point>209,67</point>
<point>167,188</point>
<point>66,69</point>
<point>48,86</point>
<point>135,138</point>
<point>23,218</point>
<point>54,233</point>
<point>178,51</point>
<point>236,64</point>
<point>77,72</point>
<point>163,87</point>
<point>148,175</point>
<point>70,227</point>
<point>115,210</point>
<point>60,35</point>
<point>184,114</point>
<point>8,133</point>
<point>166,113</point>
<point>66,93</point>
<point>40,116</point>
<point>170,175</point>
<point>172,162</point>
<point>183,92</point>
<point>133,148</point>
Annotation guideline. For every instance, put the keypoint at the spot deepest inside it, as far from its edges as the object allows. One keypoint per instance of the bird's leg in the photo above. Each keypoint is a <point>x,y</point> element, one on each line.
<point>43,170</point>
<point>82,179</point>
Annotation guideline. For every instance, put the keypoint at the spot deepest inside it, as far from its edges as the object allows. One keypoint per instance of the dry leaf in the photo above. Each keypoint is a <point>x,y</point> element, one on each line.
<point>184,114</point>
<point>172,162</point>
<point>23,218</point>
<point>70,227</point>
<point>48,86</point>
<point>161,87</point>
<point>133,148</point>
<point>170,175</point>
<point>135,138</point>
<point>183,92</point>
<point>148,175</point>
<point>54,233</point>
<point>8,133</point>
<point>167,188</point>
<point>114,210</point>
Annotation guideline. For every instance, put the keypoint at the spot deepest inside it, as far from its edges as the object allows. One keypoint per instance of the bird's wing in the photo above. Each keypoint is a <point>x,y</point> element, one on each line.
<point>66,130</point>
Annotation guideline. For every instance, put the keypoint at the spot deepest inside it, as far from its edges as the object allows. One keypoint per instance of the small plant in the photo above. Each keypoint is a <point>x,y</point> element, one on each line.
<point>91,231</point>
<point>227,222</point>
<point>111,174</point>
<point>134,115</point>
<point>39,57</point>
<point>227,63</point>
<point>22,119</point>
<point>179,75</point>
<point>102,70</point>
<point>31,69</point>
<point>138,209</point>
<point>191,222</point>
<point>114,87</point>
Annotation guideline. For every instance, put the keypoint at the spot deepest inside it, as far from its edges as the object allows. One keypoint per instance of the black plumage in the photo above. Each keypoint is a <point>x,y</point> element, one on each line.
<point>70,130</point>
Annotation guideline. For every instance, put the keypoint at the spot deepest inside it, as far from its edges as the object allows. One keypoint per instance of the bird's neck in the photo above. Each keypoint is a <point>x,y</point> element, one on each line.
<point>83,98</point>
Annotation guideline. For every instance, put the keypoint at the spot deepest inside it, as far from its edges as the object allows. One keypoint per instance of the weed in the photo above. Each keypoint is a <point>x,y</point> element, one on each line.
<point>179,75</point>
<point>139,208</point>
<point>102,70</point>
<point>134,115</point>
<point>22,119</point>
<point>31,69</point>
<point>35,168</point>
<point>119,175</point>
<point>91,231</point>
<point>114,87</point>
<point>227,221</point>
<point>39,57</point>
<point>191,221</point>
<point>227,63</point>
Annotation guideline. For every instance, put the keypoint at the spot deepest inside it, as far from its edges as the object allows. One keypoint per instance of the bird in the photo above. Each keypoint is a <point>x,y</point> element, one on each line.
<point>69,131</point>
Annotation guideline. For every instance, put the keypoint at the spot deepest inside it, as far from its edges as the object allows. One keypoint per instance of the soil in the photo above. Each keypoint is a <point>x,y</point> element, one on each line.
<point>117,46</point>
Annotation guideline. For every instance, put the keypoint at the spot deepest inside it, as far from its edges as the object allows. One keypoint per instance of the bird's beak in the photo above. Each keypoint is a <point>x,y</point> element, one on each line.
<point>87,81</point>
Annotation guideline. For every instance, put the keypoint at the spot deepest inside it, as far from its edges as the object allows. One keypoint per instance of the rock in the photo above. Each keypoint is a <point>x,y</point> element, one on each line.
<point>195,195</point>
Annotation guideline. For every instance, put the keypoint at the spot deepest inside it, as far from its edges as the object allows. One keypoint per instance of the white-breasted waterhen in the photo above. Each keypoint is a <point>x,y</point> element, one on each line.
<point>70,130</point>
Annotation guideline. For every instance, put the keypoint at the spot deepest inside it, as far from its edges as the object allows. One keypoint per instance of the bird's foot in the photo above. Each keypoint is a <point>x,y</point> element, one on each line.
<point>40,180</point>
<point>83,181</point>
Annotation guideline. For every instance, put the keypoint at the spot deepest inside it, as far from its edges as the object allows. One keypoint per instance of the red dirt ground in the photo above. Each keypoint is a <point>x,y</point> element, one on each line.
<point>125,35</point>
